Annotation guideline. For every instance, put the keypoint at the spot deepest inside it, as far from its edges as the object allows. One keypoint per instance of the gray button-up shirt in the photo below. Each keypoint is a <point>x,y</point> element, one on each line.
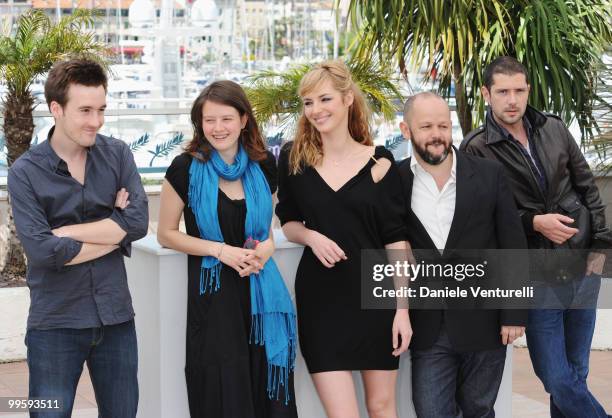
<point>44,196</point>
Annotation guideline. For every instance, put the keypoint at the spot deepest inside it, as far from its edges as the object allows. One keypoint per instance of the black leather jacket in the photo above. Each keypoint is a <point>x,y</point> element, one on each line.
<point>571,187</point>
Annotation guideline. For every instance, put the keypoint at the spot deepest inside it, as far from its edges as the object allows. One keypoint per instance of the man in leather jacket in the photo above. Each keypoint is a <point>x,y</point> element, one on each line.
<point>560,207</point>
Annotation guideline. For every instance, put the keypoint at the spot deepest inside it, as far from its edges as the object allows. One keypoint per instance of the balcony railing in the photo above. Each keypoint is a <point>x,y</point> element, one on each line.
<point>157,130</point>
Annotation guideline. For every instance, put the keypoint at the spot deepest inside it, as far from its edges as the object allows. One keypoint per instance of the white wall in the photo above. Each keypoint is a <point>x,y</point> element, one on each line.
<point>158,282</point>
<point>14,305</point>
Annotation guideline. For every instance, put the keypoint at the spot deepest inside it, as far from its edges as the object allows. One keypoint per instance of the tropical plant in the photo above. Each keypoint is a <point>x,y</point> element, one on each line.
<point>30,51</point>
<point>274,96</point>
<point>599,148</point>
<point>559,41</point>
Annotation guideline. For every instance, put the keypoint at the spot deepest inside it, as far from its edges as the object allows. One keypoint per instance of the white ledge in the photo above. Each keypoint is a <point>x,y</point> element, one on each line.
<point>150,245</point>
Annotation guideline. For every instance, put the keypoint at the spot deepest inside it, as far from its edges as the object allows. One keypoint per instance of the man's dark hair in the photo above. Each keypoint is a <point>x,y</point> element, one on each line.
<point>74,71</point>
<point>503,65</point>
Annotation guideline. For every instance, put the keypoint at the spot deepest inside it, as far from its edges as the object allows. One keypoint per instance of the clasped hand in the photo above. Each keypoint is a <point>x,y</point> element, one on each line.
<point>247,261</point>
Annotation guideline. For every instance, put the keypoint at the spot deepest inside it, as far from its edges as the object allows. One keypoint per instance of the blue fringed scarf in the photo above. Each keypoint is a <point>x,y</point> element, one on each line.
<point>272,313</point>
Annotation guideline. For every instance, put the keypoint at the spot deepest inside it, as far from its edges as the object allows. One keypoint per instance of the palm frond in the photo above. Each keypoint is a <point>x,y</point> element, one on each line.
<point>559,41</point>
<point>275,100</point>
<point>38,43</point>
<point>600,145</point>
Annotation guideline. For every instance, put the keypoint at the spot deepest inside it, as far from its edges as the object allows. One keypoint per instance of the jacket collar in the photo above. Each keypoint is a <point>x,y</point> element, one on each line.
<point>494,134</point>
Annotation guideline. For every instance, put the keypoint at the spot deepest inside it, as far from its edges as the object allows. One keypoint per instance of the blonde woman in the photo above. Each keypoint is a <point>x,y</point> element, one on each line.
<point>338,195</point>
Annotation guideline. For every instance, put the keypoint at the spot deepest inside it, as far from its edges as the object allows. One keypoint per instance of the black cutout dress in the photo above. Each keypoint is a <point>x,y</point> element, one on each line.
<point>334,332</point>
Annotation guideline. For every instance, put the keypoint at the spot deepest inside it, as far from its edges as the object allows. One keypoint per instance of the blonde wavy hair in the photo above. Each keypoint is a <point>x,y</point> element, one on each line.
<point>307,149</point>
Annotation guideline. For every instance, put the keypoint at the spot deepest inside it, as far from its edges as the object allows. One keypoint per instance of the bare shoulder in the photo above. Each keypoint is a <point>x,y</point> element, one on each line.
<point>382,164</point>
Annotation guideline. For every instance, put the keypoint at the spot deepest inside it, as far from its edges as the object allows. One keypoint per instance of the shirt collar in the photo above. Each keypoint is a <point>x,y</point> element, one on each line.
<point>54,159</point>
<point>415,166</point>
<point>507,135</point>
<point>57,164</point>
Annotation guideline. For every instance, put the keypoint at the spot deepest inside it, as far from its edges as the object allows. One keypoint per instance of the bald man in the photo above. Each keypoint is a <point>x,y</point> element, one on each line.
<point>459,202</point>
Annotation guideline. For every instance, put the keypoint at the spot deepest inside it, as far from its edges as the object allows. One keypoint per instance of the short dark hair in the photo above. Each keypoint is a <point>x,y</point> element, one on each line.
<point>503,65</point>
<point>74,71</point>
<point>228,93</point>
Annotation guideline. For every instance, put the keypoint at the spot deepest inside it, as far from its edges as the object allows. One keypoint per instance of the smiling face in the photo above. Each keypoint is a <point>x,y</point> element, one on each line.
<point>80,119</point>
<point>222,125</point>
<point>327,108</point>
<point>429,128</point>
<point>507,98</point>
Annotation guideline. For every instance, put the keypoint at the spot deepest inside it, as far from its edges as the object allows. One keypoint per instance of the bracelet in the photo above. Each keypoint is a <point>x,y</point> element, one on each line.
<point>250,243</point>
<point>220,251</point>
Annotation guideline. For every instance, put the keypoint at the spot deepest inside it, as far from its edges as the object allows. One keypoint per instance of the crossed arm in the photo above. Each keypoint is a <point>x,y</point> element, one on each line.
<point>74,244</point>
<point>99,238</point>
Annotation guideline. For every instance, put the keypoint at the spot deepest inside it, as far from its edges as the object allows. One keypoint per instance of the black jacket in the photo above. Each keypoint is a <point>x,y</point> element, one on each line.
<point>485,218</point>
<point>571,187</point>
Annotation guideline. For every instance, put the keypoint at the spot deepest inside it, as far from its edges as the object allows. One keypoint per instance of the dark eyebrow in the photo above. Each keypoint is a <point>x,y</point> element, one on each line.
<point>91,107</point>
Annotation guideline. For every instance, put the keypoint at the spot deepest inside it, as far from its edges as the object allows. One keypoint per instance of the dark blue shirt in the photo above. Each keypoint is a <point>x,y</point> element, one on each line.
<point>44,196</point>
<point>531,156</point>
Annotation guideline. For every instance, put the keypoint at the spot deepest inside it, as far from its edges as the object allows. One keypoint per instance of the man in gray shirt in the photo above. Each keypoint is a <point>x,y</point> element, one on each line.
<point>78,203</point>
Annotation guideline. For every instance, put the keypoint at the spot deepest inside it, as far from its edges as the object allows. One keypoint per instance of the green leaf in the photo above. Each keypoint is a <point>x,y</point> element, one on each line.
<point>560,41</point>
<point>30,51</point>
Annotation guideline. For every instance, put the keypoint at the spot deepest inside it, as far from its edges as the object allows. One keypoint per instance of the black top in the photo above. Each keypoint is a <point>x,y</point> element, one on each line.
<point>44,196</point>
<point>226,375</point>
<point>335,333</point>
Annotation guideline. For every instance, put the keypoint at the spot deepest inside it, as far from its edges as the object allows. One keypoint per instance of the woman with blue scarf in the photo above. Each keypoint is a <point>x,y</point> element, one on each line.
<point>241,335</point>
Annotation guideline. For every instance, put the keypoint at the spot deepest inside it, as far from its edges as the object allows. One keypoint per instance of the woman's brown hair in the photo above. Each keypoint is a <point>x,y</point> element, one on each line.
<point>227,93</point>
<point>307,149</point>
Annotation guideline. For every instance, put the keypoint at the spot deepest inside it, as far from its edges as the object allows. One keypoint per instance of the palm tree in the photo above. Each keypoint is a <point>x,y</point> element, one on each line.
<point>274,96</point>
<point>600,145</point>
<point>559,41</point>
<point>36,44</point>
